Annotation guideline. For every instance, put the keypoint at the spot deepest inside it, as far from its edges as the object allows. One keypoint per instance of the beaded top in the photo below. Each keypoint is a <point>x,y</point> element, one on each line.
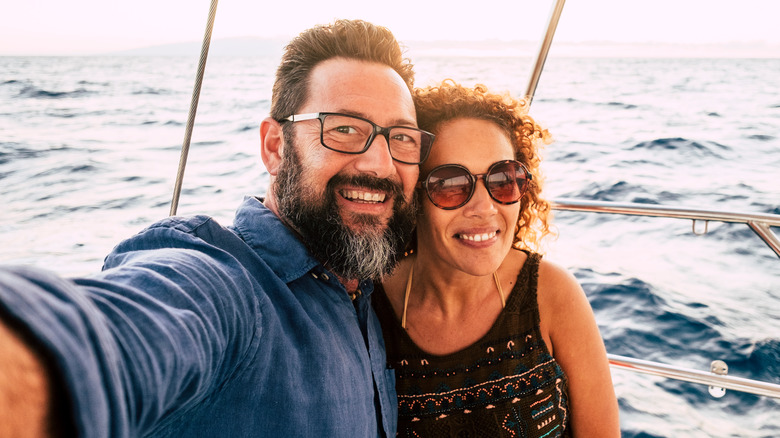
<point>504,385</point>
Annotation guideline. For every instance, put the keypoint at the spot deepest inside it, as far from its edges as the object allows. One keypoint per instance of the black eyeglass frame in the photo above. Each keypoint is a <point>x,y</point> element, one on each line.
<point>425,150</point>
<point>473,178</point>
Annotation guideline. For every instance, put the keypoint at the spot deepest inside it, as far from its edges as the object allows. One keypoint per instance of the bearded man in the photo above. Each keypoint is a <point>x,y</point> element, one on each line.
<point>263,328</point>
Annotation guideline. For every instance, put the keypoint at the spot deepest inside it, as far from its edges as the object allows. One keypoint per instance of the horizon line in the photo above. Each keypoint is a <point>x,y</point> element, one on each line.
<point>502,47</point>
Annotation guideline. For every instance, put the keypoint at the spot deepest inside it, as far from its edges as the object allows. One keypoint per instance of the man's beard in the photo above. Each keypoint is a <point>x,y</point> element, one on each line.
<point>368,253</point>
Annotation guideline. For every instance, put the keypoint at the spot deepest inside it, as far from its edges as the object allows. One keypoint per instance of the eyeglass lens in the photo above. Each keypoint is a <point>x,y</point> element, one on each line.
<point>351,135</point>
<point>451,187</point>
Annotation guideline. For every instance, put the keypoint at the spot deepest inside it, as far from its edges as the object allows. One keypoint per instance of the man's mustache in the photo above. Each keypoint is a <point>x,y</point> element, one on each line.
<point>367,182</point>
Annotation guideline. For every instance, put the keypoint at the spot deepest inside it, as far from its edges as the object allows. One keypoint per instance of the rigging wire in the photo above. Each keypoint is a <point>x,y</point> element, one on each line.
<point>185,147</point>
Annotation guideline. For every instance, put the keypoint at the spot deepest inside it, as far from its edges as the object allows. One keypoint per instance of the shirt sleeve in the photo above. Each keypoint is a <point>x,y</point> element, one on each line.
<point>169,319</point>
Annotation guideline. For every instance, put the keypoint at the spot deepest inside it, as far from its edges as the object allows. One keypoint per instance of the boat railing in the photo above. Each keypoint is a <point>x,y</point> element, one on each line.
<point>760,223</point>
<point>716,378</point>
<point>717,382</point>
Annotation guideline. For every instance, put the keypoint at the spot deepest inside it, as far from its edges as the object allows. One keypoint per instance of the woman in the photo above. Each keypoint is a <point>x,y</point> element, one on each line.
<point>486,338</point>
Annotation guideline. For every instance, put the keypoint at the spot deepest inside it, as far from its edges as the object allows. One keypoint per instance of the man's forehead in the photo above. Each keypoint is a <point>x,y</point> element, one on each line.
<point>366,89</point>
<point>389,121</point>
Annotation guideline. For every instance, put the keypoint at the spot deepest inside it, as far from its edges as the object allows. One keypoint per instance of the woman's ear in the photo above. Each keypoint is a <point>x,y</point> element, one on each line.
<point>271,144</point>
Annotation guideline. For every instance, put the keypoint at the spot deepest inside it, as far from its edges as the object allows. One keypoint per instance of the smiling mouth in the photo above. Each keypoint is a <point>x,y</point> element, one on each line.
<point>363,197</point>
<point>477,237</point>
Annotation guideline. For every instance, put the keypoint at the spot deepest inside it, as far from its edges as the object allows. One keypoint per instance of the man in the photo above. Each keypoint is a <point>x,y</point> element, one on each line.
<point>263,328</point>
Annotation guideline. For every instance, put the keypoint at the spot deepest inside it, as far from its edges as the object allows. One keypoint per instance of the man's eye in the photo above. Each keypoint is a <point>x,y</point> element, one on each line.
<point>346,130</point>
<point>403,138</point>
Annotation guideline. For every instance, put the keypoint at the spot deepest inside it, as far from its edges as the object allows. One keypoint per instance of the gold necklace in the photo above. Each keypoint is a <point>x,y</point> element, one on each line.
<point>409,288</point>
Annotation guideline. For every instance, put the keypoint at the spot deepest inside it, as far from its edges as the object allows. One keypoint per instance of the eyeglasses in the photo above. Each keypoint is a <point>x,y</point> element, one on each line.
<point>451,186</point>
<point>353,135</point>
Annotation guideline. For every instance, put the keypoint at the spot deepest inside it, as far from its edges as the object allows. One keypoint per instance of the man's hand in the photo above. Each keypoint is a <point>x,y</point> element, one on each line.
<point>24,389</point>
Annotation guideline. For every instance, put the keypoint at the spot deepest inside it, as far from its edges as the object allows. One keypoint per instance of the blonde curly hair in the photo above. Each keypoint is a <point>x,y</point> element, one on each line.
<point>449,100</point>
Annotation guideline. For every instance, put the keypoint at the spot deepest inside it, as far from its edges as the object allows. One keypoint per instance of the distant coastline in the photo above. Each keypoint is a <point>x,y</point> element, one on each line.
<point>256,46</point>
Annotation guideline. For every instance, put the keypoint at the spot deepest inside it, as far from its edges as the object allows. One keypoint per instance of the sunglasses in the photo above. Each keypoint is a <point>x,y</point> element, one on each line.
<point>451,186</point>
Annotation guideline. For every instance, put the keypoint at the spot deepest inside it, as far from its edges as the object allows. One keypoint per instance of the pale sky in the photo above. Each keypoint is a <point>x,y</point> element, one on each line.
<point>53,27</point>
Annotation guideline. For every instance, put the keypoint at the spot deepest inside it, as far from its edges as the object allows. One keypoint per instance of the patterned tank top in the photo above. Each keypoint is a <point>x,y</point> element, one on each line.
<point>505,385</point>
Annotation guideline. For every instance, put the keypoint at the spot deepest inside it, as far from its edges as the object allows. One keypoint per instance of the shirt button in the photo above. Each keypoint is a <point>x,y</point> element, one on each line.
<point>325,277</point>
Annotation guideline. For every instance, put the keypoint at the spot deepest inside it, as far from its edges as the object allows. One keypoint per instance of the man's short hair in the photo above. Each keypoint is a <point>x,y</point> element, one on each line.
<point>352,39</point>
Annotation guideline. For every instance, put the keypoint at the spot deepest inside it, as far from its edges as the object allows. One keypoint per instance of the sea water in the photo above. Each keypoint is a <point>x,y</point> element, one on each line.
<point>89,148</point>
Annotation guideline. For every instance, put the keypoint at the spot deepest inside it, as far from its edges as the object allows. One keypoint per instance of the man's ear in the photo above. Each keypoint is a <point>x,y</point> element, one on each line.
<point>271,144</point>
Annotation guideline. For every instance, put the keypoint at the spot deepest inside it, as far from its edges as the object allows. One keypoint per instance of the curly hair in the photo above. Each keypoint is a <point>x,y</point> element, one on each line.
<point>447,101</point>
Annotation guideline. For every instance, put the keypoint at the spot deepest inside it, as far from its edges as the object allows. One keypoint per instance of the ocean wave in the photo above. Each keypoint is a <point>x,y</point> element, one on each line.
<point>124,203</point>
<point>69,169</point>
<point>85,82</point>
<point>631,433</point>
<point>60,210</point>
<point>761,137</point>
<point>623,191</point>
<point>13,151</point>
<point>208,143</point>
<point>557,100</point>
<point>639,322</point>
<point>153,91</point>
<point>33,92</point>
<point>8,151</point>
<point>621,105</point>
<point>763,359</point>
<point>574,152</point>
<point>685,146</point>
<point>62,113</point>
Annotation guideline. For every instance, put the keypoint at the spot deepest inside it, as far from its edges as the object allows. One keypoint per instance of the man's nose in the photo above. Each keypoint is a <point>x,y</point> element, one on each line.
<point>377,159</point>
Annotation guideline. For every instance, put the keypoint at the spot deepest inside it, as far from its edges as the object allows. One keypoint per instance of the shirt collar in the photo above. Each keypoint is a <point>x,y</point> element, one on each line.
<point>276,244</point>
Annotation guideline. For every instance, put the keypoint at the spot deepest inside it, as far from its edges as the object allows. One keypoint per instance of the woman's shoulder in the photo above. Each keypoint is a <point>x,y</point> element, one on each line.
<point>559,294</point>
<point>554,276</point>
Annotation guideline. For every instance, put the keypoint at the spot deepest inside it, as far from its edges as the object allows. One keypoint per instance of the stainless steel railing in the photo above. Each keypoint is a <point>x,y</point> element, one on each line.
<point>759,223</point>
<point>695,376</point>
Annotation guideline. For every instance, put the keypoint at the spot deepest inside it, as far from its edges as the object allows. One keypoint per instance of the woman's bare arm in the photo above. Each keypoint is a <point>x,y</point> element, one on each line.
<point>569,323</point>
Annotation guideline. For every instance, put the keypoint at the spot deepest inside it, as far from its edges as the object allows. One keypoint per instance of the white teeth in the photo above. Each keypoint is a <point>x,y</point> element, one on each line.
<point>363,196</point>
<point>478,237</point>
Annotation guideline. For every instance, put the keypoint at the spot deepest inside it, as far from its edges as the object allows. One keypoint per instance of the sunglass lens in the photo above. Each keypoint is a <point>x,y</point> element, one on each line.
<point>449,187</point>
<point>506,182</point>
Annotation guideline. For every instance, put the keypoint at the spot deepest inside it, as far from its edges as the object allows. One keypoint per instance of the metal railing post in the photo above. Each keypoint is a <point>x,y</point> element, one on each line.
<point>544,49</point>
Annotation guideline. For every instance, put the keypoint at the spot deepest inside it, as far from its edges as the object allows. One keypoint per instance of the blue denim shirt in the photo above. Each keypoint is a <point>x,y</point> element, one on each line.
<point>193,329</point>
